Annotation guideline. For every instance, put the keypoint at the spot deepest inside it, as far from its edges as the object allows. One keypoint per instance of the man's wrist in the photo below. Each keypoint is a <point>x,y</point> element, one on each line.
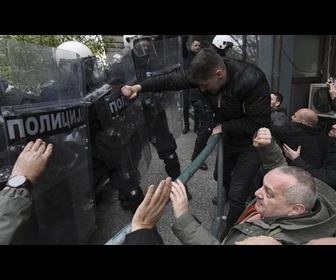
<point>20,181</point>
<point>332,94</point>
<point>8,191</point>
<point>137,88</point>
<point>140,226</point>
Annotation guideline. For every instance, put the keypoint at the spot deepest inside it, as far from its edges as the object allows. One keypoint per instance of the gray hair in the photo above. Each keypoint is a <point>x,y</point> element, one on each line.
<point>304,191</point>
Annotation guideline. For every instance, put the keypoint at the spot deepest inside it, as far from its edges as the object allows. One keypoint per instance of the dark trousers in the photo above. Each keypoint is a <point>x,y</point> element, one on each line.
<point>201,141</point>
<point>186,105</point>
<point>162,140</point>
<point>190,97</point>
<point>240,167</point>
<point>197,113</point>
<point>119,163</point>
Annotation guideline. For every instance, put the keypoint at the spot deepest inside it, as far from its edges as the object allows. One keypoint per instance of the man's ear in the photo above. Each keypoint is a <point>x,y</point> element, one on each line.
<point>219,73</point>
<point>297,209</point>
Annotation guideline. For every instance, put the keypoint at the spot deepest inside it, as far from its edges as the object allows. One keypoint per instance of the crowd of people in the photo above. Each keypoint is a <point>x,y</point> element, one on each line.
<point>290,208</point>
<point>294,201</point>
<point>238,112</point>
<point>305,120</point>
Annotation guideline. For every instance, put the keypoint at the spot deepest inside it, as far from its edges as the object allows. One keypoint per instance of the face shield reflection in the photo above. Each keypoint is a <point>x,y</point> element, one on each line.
<point>94,76</point>
<point>66,65</point>
<point>89,65</point>
<point>143,46</point>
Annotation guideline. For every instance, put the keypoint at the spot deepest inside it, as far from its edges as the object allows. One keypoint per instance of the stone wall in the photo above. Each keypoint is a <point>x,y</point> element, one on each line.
<point>113,44</point>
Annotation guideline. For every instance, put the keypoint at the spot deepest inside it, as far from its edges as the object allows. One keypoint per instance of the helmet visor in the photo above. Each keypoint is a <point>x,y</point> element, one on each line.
<point>143,46</point>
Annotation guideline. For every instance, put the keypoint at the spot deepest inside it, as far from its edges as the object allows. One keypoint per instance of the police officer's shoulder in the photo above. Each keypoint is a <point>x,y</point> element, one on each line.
<point>48,84</point>
<point>3,84</point>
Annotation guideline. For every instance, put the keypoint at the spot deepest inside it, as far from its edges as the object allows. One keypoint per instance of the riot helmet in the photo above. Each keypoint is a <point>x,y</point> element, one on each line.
<point>67,52</point>
<point>140,45</point>
<point>222,43</point>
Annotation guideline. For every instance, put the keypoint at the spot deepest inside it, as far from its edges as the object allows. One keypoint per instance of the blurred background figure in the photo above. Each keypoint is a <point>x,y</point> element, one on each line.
<point>189,50</point>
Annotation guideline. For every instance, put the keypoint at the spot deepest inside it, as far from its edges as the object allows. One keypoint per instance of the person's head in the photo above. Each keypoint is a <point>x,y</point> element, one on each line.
<point>69,51</point>
<point>208,71</point>
<point>195,46</point>
<point>332,132</point>
<point>306,116</point>
<point>222,44</point>
<point>276,99</point>
<point>286,191</point>
<point>141,45</point>
<point>67,55</point>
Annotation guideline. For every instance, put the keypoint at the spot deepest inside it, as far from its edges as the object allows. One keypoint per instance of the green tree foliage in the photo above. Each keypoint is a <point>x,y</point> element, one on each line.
<point>27,59</point>
<point>94,42</point>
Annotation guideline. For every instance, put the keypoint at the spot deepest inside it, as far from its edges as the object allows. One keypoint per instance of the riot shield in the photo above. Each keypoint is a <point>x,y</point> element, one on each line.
<point>167,59</point>
<point>95,80</point>
<point>63,198</point>
<point>123,145</point>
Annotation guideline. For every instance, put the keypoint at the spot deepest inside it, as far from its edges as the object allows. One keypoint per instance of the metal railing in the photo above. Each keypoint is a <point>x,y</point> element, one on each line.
<point>185,176</point>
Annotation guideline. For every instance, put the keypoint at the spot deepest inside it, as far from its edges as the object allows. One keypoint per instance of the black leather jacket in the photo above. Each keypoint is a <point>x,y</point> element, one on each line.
<point>242,106</point>
<point>327,172</point>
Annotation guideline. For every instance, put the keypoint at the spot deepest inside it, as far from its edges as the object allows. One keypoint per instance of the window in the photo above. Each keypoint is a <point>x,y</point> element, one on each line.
<point>306,56</point>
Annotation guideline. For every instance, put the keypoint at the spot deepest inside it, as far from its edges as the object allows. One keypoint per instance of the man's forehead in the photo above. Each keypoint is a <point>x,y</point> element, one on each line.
<point>277,180</point>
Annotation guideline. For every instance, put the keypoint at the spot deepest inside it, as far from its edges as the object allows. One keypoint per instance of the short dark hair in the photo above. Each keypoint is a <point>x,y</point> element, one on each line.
<point>278,95</point>
<point>204,65</point>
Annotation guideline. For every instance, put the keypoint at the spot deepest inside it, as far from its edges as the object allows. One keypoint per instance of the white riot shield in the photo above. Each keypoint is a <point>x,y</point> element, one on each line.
<point>63,201</point>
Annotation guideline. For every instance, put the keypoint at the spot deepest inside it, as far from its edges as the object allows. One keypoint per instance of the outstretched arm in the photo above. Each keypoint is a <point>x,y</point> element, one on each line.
<point>143,230</point>
<point>187,228</point>
<point>179,198</point>
<point>270,152</point>
<point>151,209</point>
<point>33,160</point>
<point>15,203</point>
<point>131,91</point>
<point>332,92</point>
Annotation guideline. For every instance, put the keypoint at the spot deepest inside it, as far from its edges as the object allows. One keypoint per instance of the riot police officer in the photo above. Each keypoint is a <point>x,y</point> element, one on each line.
<point>221,44</point>
<point>110,158</point>
<point>63,208</point>
<point>143,51</point>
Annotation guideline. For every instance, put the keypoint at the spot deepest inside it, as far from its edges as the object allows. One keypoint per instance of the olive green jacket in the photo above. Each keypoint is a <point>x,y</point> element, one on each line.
<point>321,222</point>
<point>15,211</point>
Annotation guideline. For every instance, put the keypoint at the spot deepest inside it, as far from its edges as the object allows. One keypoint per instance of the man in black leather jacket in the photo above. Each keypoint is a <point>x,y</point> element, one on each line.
<point>239,94</point>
